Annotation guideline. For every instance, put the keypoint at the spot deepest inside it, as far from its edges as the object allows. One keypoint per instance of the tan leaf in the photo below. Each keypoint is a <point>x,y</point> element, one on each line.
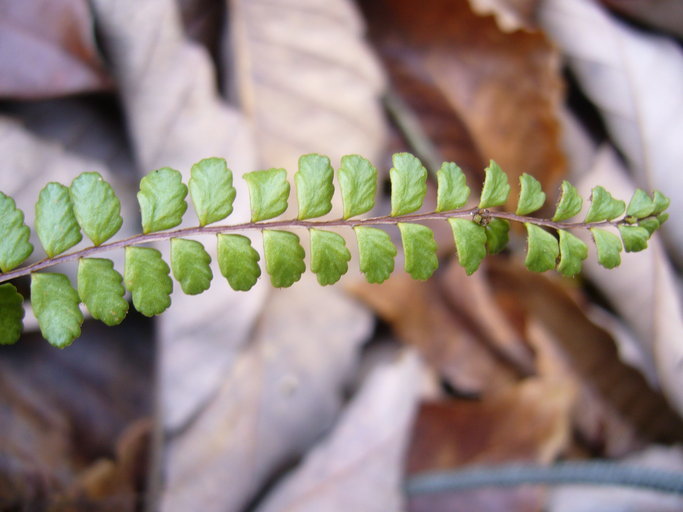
<point>306,79</point>
<point>629,76</point>
<point>359,466</point>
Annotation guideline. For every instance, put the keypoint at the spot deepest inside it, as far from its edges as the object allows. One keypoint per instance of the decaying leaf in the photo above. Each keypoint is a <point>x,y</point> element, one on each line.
<point>359,465</point>
<point>47,49</point>
<point>629,76</point>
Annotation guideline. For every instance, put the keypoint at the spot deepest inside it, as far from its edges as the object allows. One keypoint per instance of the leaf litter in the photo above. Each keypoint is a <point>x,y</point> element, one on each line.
<point>254,387</point>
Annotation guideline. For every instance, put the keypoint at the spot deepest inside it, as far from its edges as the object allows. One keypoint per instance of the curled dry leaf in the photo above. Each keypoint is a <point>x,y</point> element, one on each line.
<point>616,407</point>
<point>420,314</point>
<point>505,87</point>
<point>359,466</point>
<point>47,49</point>
<point>632,78</point>
<point>643,290</point>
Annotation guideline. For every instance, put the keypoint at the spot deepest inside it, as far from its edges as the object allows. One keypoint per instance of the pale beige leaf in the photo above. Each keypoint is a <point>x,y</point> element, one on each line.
<point>283,392</point>
<point>359,466</point>
<point>306,78</point>
<point>635,79</point>
<point>642,289</point>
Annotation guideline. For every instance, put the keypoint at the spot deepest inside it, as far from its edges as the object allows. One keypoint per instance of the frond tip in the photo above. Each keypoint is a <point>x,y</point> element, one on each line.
<point>89,205</point>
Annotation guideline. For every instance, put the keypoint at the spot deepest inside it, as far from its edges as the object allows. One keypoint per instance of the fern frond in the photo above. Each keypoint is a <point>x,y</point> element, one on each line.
<point>89,205</point>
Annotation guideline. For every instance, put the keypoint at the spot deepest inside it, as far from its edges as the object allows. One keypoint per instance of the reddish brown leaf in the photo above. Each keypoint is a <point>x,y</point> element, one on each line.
<point>47,49</point>
<point>505,87</point>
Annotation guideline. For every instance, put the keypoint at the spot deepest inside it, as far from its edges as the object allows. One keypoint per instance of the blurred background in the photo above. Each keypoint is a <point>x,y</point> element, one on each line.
<point>327,399</point>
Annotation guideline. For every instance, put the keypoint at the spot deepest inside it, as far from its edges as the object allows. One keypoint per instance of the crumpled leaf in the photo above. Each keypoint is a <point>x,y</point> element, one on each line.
<point>14,235</point>
<point>604,206</point>
<point>56,223</point>
<point>48,49</point>
<point>408,184</point>
<point>532,197</point>
<point>96,207</point>
<point>146,277</point>
<point>268,193</point>
<point>101,290</point>
<point>329,256</point>
<point>238,261</point>
<point>211,190</point>
<point>359,466</point>
<point>11,314</point>
<point>542,249</point>
<point>314,188</point>
<point>190,265</point>
<point>419,248</point>
<point>358,183</point>
<point>615,65</point>
<point>376,253</point>
<point>470,243</point>
<point>496,187</point>
<point>608,246</point>
<point>55,304</point>
<point>452,187</point>
<point>162,200</point>
<point>642,290</point>
<point>284,257</point>
<point>570,203</point>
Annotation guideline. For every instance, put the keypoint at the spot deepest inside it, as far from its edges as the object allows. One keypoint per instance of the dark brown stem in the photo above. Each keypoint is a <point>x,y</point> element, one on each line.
<point>292,223</point>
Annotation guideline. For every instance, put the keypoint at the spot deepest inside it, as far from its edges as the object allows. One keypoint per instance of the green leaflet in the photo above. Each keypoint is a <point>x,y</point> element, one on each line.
<point>211,190</point>
<point>419,248</point>
<point>96,207</point>
<point>570,203</point>
<point>358,183</point>
<point>572,253</point>
<point>634,238</point>
<point>101,290</point>
<point>408,184</point>
<point>190,265</point>
<point>650,224</point>
<point>14,235</point>
<point>146,277</point>
<point>531,197</point>
<point>542,249</point>
<point>661,202</point>
<point>56,223</point>
<point>640,205</point>
<point>609,247</point>
<point>314,188</point>
<point>497,235</point>
<point>376,253</point>
<point>284,257</point>
<point>496,187</point>
<point>55,304</point>
<point>162,200</point>
<point>470,243</point>
<point>238,261</point>
<point>662,218</point>
<point>452,189</point>
<point>11,314</point>
<point>604,206</point>
<point>268,191</point>
<point>329,256</point>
